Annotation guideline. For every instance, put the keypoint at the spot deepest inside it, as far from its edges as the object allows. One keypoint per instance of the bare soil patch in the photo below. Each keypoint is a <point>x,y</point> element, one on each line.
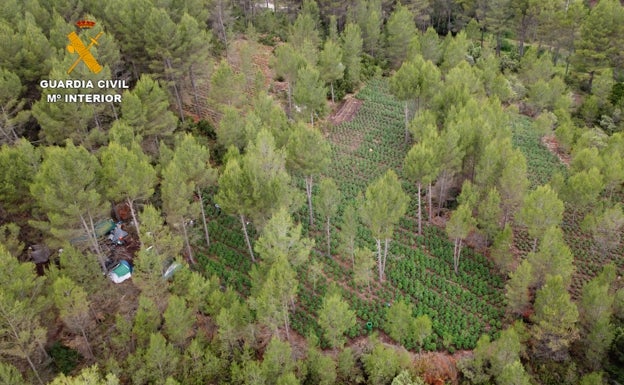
<point>553,146</point>
<point>346,111</point>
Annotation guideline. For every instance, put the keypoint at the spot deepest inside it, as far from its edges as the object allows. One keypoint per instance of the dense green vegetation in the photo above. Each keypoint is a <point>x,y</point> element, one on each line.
<point>315,192</point>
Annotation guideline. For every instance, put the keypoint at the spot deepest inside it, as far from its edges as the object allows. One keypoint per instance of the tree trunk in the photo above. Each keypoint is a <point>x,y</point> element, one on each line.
<point>242,219</point>
<point>286,324</point>
<point>308,182</point>
<point>188,244</point>
<point>84,335</point>
<point>94,242</point>
<point>430,203</point>
<point>379,265</point>
<point>134,219</point>
<point>312,118</point>
<point>406,112</point>
<point>175,88</point>
<point>203,212</point>
<point>456,255</point>
<point>419,210</point>
<point>114,111</point>
<point>222,27</point>
<point>18,338</point>
<point>194,86</point>
<point>328,239</point>
<point>523,28</point>
<point>289,92</point>
<point>591,81</point>
<point>535,244</point>
<point>442,192</point>
<point>331,85</point>
<point>32,366</point>
<point>385,258</point>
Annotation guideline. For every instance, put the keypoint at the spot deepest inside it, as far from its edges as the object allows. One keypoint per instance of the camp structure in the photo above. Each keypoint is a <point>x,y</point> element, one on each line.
<point>121,272</point>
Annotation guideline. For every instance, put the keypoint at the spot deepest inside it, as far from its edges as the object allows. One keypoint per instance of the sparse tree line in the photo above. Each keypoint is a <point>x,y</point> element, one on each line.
<point>456,103</point>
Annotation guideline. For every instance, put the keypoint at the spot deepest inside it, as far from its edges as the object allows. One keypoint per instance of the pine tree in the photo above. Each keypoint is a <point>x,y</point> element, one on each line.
<point>232,322</point>
<point>369,17</point>
<point>517,288</point>
<point>21,304</point>
<point>420,166</point>
<point>321,367</point>
<point>554,320</point>
<point>257,185</point>
<point>177,195</point>
<point>308,155</point>
<point>606,228</point>
<point>363,264</point>
<point>382,364</point>
<point>330,65</point>
<point>415,80</point>
<point>154,364</point>
<point>458,228</point>
<point>352,53</point>
<point>384,205</point>
<point>601,41</point>
<point>19,164</point>
<point>278,359</point>
<point>430,48</point>
<point>179,320</point>
<point>127,174</point>
<point>200,365</point>
<point>89,376</point>
<point>512,184</point>
<point>158,245</point>
<point>553,258</point>
<point>514,374</point>
<point>280,237</point>
<point>12,116</point>
<point>10,375</point>
<point>335,318</point>
<point>286,64</point>
<point>400,30</point>
<point>399,321</point>
<point>65,189</point>
<point>276,295</point>
<point>146,109</point>
<point>309,93</point>
<point>328,200</point>
<point>9,238</point>
<point>596,309</point>
<point>60,121</point>
<point>147,320</point>
<point>501,250</point>
<point>489,214</point>
<point>542,209</point>
<point>455,50</point>
<point>194,159</point>
<point>226,86</point>
<point>348,232</point>
<point>497,19</point>
<point>71,301</point>
<point>582,190</point>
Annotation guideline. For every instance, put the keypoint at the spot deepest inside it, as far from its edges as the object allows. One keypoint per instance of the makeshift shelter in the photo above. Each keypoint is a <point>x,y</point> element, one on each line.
<point>121,272</point>
<point>118,234</point>
<point>39,253</point>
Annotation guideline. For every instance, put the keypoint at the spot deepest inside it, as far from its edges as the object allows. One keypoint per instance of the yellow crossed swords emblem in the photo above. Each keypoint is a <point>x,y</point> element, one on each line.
<point>76,45</point>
